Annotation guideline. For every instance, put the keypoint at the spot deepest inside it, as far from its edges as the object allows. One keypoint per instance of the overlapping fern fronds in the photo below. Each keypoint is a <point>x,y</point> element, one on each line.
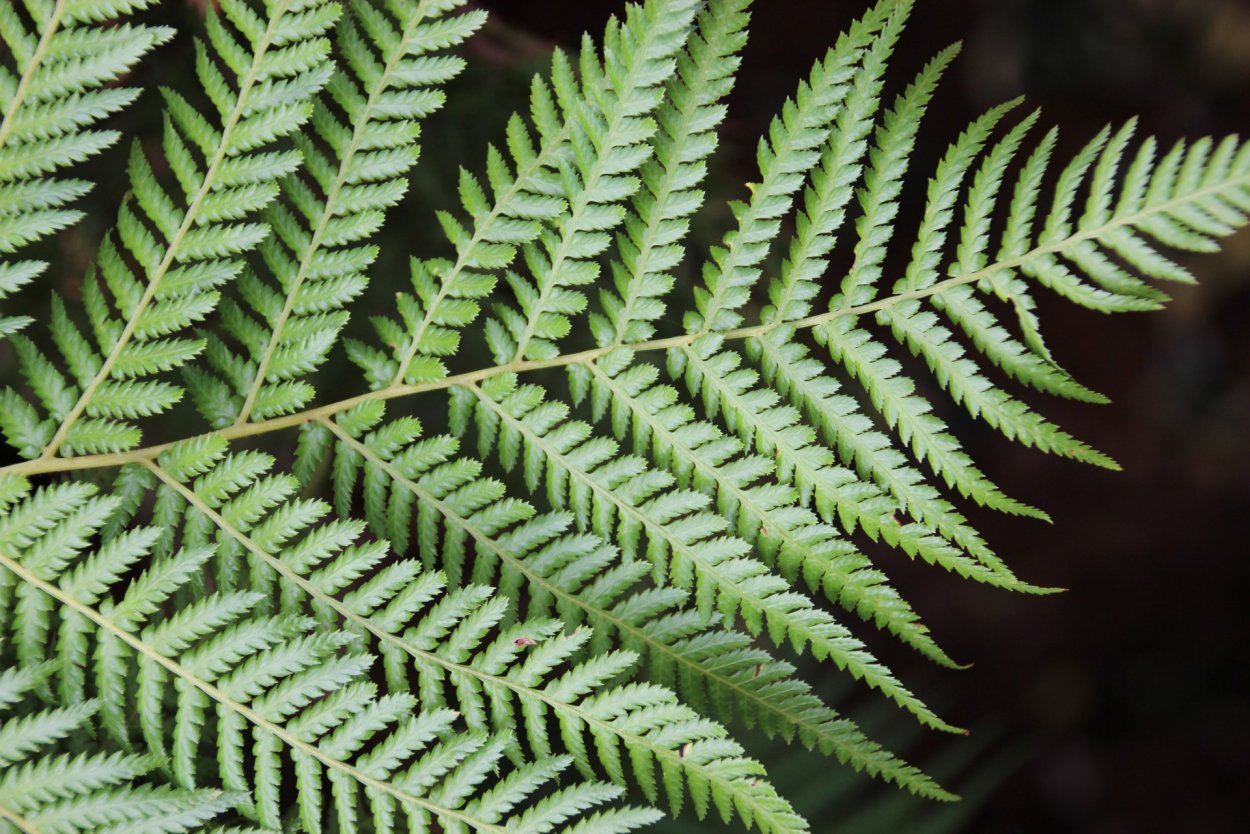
<point>45,790</point>
<point>411,481</point>
<point>391,636</point>
<point>369,121</point>
<point>277,698</point>
<point>159,271</point>
<point>64,58</point>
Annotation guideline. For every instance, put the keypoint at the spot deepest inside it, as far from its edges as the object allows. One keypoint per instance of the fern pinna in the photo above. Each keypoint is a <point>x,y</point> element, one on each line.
<point>477,596</point>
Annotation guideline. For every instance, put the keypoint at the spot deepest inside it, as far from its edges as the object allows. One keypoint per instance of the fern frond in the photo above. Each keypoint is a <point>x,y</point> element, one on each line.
<point>505,683</point>
<point>570,181</point>
<point>786,364</point>
<point>766,516</point>
<point>426,650</point>
<point>791,148</point>
<point>1211,198</point>
<point>789,369</point>
<point>650,244</point>
<point>769,515</point>
<point>411,481</point>
<point>167,257</point>
<point>44,788</point>
<point>917,329</point>
<point>610,137</point>
<point>440,644</point>
<point>714,564</point>
<point>65,60</point>
<point>367,122</point>
<point>622,499</point>
<point>222,671</point>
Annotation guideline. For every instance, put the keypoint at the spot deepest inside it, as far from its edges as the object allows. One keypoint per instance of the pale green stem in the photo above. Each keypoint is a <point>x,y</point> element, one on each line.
<point>24,825</point>
<point>391,392</point>
<point>41,465</point>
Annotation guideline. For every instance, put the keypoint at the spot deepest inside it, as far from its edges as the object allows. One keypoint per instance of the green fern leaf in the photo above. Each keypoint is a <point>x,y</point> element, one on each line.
<point>405,476</point>
<point>620,498</point>
<point>383,636</point>
<point>44,789</point>
<point>398,469</point>
<point>792,147</point>
<point>608,139</point>
<point>650,244</point>
<point>59,86</point>
<point>272,681</point>
<point>369,119</point>
<point>184,249</point>
<point>574,180</point>
<point>770,516</point>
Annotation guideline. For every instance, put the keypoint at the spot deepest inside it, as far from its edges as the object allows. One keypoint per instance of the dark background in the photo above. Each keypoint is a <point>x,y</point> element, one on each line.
<point>1121,706</point>
<point>1126,698</point>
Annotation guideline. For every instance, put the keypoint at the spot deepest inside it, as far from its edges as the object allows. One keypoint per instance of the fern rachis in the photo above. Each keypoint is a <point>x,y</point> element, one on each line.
<point>429,647</point>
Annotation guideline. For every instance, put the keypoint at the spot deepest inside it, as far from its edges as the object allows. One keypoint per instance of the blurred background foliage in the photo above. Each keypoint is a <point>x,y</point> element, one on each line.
<point>1122,706</point>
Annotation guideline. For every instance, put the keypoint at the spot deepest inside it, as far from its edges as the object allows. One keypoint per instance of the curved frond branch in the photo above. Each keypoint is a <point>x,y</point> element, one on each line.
<point>623,499</point>
<point>232,705</point>
<point>651,243</point>
<point>611,137</point>
<point>60,86</point>
<point>271,677</point>
<point>395,88</point>
<point>58,89</point>
<point>777,430</point>
<point>791,148</point>
<point>445,298</point>
<point>197,248</point>
<point>787,366</point>
<point>580,699</point>
<point>768,515</point>
<point>44,788</point>
<point>585,581</point>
